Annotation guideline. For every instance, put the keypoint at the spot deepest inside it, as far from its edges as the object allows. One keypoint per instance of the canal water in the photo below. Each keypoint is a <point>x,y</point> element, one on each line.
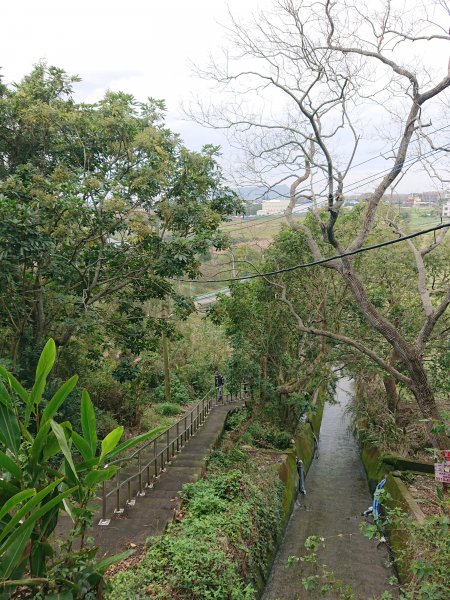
<point>336,494</point>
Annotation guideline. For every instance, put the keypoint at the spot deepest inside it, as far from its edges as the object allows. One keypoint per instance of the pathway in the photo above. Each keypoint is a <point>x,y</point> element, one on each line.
<point>151,513</point>
<point>337,493</point>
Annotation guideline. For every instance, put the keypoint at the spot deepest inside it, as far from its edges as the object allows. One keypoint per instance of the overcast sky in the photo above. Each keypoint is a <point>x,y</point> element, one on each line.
<point>143,47</point>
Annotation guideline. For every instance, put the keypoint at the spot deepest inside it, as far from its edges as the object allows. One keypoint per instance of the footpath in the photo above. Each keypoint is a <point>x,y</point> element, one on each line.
<point>336,494</point>
<point>151,513</point>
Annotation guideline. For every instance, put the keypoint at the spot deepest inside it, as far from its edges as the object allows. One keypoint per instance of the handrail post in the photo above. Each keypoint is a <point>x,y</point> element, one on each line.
<point>104,501</point>
<point>118,510</point>
<point>154,458</point>
<point>168,444</point>
<point>141,491</point>
<point>178,436</point>
<point>185,430</point>
<point>192,418</point>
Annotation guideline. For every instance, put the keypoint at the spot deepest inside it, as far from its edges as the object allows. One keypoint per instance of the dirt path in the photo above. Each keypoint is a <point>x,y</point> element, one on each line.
<point>337,493</point>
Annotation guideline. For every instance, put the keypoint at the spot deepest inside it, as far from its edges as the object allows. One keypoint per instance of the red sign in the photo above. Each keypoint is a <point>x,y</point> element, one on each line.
<point>442,466</point>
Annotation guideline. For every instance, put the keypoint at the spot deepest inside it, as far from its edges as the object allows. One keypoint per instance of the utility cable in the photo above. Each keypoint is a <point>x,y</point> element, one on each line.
<point>322,260</point>
<point>355,185</point>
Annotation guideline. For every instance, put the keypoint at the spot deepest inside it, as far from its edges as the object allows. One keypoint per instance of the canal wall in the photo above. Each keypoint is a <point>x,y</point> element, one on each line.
<point>337,493</point>
<point>304,448</point>
<point>378,465</point>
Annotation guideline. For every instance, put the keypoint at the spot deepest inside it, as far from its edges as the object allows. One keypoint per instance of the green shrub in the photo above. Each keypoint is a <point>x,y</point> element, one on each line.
<point>40,471</point>
<point>231,524</point>
<point>168,409</point>
<point>179,393</point>
<point>268,436</point>
<point>236,419</point>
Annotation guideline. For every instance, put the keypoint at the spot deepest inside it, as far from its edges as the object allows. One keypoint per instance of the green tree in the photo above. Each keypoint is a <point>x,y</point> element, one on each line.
<point>48,466</point>
<point>100,204</point>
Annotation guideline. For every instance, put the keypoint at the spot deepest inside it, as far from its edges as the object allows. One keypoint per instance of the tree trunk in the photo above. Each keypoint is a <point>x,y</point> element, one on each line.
<point>263,377</point>
<point>39,312</point>
<point>425,399</point>
<point>166,367</point>
<point>408,355</point>
<point>390,387</point>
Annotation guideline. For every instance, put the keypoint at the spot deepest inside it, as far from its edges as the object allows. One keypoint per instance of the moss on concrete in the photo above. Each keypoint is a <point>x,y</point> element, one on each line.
<point>377,465</point>
<point>288,476</point>
<point>398,463</point>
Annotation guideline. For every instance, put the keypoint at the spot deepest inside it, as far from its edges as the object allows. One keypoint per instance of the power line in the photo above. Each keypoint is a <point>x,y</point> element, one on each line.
<point>369,179</point>
<point>322,260</point>
<point>355,185</point>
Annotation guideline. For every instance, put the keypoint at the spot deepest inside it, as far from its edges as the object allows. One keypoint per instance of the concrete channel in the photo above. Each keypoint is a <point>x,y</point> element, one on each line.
<point>336,494</point>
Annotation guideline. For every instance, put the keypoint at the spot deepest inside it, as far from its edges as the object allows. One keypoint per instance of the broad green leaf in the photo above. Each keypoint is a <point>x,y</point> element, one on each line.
<point>104,564</point>
<point>111,441</point>
<point>9,429</point>
<point>28,507</point>
<point>82,445</point>
<point>7,464</point>
<point>88,424</point>
<point>68,508</point>
<point>7,489</point>
<point>88,464</point>
<point>43,368</point>
<point>27,526</point>
<point>144,437</point>
<point>60,436</point>
<point>47,359</point>
<point>35,396</point>
<point>13,555</point>
<point>5,398</point>
<point>95,477</point>
<point>51,446</point>
<point>52,407</point>
<point>15,385</point>
<point>39,442</point>
<point>15,501</point>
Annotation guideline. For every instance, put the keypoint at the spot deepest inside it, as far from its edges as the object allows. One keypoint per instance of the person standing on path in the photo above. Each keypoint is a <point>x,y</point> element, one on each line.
<point>218,380</point>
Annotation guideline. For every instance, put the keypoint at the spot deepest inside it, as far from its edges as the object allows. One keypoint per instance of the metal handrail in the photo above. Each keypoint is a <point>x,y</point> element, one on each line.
<point>159,459</point>
<point>148,443</point>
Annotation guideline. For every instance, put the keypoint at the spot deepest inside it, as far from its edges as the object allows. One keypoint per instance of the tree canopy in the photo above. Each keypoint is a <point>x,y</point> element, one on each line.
<point>99,203</point>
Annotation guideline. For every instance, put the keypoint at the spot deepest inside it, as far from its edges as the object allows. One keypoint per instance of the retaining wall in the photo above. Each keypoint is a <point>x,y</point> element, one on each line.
<point>377,465</point>
<point>304,449</point>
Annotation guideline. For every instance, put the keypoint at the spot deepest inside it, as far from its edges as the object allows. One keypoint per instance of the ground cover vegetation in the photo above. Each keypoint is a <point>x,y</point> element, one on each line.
<point>229,525</point>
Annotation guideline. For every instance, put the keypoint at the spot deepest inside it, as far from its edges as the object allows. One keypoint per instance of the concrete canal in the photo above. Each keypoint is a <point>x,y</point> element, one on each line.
<point>336,494</point>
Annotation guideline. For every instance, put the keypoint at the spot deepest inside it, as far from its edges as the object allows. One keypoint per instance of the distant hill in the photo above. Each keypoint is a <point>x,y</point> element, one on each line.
<point>256,194</point>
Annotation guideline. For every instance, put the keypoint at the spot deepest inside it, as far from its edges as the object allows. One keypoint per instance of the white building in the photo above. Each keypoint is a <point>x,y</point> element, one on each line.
<point>446,209</point>
<point>271,207</point>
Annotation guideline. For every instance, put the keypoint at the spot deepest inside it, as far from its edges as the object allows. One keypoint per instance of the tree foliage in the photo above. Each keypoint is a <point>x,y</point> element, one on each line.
<point>100,204</point>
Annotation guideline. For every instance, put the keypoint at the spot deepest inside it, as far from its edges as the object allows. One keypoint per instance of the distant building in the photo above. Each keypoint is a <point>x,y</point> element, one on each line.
<point>271,207</point>
<point>446,210</point>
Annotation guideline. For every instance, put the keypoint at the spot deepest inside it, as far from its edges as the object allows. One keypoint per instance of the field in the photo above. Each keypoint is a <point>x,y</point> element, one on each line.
<point>251,238</point>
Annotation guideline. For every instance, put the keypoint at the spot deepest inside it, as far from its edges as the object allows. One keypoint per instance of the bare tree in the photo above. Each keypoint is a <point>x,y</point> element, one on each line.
<point>303,88</point>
